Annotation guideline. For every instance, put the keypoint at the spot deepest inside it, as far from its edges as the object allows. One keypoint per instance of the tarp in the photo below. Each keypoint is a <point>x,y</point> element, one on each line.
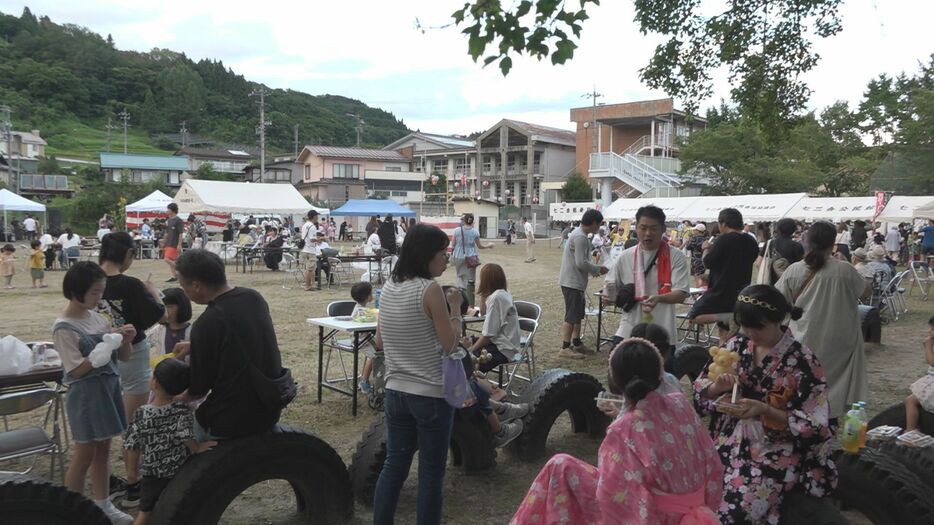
<point>834,209</point>
<point>10,201</point>
<point>220,197</point>
<point>902,207</point>
<point>155,201</point>
<point>924,212</point>
<point>625,209</point>
<point>755,208</point>
<point>369,207</point>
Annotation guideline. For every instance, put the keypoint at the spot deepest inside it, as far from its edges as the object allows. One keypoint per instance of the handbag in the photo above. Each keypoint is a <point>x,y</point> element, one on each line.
<point>764,276</point>
<point>472,261</point>
<point>626,297</point>
<point>455,387</point>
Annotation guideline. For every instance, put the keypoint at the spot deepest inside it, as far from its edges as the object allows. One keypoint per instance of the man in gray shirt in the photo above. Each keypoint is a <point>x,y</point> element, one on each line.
<point>576,268</point>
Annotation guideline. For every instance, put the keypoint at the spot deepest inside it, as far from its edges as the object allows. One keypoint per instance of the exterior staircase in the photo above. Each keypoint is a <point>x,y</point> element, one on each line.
<point>639,177</point>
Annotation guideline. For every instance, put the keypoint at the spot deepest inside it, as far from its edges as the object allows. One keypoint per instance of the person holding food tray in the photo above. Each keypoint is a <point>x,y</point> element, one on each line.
<point>770,421</point>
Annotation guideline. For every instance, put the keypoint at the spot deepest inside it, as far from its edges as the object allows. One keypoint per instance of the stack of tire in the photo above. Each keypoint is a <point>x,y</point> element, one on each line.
<point>551,394</point>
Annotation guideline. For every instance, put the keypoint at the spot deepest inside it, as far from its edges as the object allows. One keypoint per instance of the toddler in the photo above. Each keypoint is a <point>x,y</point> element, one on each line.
<point>94,404</point>
<point>922,390</point>
<point>162,432</point>
<point>362,293</point>
<point>36,264</point>
<point>7,265</point>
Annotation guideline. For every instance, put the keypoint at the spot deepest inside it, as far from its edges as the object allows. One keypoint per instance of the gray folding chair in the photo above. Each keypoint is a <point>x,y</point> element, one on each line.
<point>34,440</point>
<point>922,275</point>
<point>527,310</point>
<point>526,356</point>
<point>336,309</point>
<point>341,273</point>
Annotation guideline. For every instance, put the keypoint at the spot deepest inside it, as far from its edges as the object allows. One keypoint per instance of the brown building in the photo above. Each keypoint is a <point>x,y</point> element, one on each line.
<point>632,148</point>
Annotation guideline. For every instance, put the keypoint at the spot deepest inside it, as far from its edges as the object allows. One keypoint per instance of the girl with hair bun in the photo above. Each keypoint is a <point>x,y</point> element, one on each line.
<point>656,464</point>
<point>776,439</point>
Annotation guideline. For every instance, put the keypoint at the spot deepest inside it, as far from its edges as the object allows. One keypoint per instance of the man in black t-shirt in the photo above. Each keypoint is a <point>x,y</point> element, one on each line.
<point>172,239</point>
<point>387,235</point>
<point>729,259</point>
<point>235,326</point>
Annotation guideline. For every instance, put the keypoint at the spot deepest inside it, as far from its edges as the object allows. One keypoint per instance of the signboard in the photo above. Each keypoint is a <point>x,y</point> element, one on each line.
<point>570,211</point>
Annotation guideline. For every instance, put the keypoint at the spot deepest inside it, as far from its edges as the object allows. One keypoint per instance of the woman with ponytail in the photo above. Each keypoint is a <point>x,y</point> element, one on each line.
<point>127,300</point>
<point>656,464</point>
<point>829,291</point>
<point>775,440</point>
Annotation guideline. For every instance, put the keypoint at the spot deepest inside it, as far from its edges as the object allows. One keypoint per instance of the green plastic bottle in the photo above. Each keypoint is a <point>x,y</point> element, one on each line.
<point>851,428</point>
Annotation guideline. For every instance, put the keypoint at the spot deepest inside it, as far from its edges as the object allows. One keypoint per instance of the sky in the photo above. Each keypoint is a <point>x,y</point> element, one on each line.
<point>373,51</point>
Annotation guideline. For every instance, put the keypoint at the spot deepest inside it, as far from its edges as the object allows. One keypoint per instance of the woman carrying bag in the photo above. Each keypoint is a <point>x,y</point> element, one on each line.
<point>465,256</point>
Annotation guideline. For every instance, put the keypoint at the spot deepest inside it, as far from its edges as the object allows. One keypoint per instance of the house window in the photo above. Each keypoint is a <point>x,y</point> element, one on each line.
<point>393,168</point>
<point>346,171</point>
<point>284,176</point>
<point>173,177</point>
<point>307,173</point>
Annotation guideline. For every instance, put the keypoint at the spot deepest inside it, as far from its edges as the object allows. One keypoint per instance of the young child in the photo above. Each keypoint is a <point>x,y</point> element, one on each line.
<point>8,265</point>
<point>922,390</point>
<point>172,333</point>
<point>362,293</point>
<point>93,404</point>
<point>36,264</point>
<point>163,433</point>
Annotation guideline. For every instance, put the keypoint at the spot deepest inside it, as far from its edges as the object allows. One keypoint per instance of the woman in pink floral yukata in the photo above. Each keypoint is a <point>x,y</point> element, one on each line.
<point>656,465</point>
<point>775,444</point>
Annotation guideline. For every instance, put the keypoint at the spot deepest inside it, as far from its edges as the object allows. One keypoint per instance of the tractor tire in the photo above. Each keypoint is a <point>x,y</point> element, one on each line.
<point>207,484</point>
<point>551,394</point>
<point>690,361</point>
<point>798,508</point>
<point>920,461</point>
<point>471,448</point>
<point>31,501</point>
<point>895,416</point>
<point>883,489</point>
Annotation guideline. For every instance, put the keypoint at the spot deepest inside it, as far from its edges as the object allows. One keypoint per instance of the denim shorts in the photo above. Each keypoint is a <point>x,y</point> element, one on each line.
<point>136,373</point>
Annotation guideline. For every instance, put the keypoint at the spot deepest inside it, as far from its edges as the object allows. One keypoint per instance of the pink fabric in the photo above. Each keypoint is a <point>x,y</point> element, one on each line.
<point>689,505</point>
<point>658,447</point>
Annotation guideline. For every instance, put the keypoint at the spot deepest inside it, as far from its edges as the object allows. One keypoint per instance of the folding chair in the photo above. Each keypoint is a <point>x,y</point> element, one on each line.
<point>526,355</point>
<point>923,275</point>
<point>527,310</point>
<point>341,273</point>
<point>31,441</point>
<point>335,309</point>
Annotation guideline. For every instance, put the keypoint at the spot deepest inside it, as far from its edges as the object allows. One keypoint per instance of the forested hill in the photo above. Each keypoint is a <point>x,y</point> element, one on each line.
<point>56,76</point>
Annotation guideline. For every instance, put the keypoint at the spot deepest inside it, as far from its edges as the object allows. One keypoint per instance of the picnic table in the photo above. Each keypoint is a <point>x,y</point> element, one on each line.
<point>328,328</point>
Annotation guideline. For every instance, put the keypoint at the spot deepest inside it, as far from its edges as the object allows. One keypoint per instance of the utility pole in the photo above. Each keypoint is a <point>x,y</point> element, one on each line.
<point>184,133</point>
<point>6,126</point>
<point>359,127</point>
<point>295,141</point>
<point>125,117</point>
<point>109,127</point>
<point>261,130</point>
<point>595,147</point>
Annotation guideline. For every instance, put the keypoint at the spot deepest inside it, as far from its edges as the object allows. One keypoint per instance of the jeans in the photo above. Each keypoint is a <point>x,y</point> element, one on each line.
<point>414,421</point>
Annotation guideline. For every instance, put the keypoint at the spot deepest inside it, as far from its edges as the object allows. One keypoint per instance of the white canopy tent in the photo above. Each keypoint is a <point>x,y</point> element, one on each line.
<point>755,208</point>
<point>902,207</point>
<point>834,209</point>
<point>10,201</point>
<point>215,200</point>
<point>149,207</point>
<point>924,212</point>
<point>625,209</point>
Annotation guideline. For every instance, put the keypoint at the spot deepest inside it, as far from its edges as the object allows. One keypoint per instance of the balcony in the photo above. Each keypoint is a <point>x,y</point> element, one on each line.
<point>409,176</point>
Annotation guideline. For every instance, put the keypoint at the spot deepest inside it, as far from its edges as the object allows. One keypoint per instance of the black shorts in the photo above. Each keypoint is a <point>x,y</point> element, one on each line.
<point>573,305</point>
<point>150,491</point>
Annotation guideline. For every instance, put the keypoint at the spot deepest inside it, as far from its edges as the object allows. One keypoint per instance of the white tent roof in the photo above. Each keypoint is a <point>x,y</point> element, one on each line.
<point>754,208</point>
<point>10,201</point>
<point>902,207</point>
<point>155,201</point>
<point>924,212</point>
<point>625,209</point>
<point>834,209</point>
<point>239,197</point>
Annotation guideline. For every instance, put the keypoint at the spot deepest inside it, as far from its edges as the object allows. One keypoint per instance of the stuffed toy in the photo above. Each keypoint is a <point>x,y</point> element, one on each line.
<point>723,361</point>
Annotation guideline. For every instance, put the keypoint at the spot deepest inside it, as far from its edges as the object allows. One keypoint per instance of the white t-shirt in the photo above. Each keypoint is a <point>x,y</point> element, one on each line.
<point>46,241</point>
<point>843,238</point>
<point>29,224</point>
<point>309,234</point>
<point>663,314</point>
<point>501,324</point>
<point>529,232</point>
<point>66,243</point>
<point>373,241</point>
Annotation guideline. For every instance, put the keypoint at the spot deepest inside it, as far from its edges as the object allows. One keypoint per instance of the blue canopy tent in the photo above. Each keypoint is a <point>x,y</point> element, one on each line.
<point>370,207</point>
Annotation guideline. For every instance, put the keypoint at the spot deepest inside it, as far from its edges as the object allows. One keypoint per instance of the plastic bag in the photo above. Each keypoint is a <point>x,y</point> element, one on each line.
<point>15,356</point>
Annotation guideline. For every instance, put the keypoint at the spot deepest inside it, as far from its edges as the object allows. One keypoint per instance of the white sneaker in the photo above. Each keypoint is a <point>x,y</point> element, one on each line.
<point>512,411</point>
<point>115,515</point>
<point>507,433</point>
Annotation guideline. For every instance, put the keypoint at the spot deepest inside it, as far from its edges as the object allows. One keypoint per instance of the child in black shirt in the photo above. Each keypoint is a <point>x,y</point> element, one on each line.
<point>162,432</point>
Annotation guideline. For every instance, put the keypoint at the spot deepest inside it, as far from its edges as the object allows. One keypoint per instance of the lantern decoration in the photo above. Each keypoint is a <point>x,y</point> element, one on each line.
<point>499,199</point>
<point>486,184</point>
<point>434,180</point>
<point>534,200</point>
<point>477,194</point>
<point>457,184</point>
<point>507,192</point>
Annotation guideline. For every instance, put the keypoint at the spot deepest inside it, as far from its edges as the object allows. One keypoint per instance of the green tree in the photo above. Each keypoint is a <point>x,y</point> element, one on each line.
<point>765,45</point>
<point>49,166</point>
<point>207,172</point>
<point>576,189</point>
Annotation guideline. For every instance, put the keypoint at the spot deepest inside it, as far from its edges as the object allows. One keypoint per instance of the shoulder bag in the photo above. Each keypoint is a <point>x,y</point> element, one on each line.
<point>764,276</point>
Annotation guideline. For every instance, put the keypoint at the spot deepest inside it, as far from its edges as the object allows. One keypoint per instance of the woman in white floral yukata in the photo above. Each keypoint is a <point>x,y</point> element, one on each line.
<point>657,465</point>
<point>776,442</point>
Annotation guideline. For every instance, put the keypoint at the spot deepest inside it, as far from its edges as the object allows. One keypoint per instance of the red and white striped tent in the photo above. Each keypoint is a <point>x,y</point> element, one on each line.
<point>149,207</point>
<point>215,201</point>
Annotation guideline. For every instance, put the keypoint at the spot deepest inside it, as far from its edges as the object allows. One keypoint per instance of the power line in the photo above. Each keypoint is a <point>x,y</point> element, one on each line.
<point>184,133</point>
<point>261,130</point>
<point>125,117</point>
<point>295,140</point>
<point>109,128</point>
<point>359,127</point>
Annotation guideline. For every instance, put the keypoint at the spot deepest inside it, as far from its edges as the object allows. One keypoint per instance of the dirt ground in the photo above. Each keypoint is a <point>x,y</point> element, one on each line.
<point>489,498</point>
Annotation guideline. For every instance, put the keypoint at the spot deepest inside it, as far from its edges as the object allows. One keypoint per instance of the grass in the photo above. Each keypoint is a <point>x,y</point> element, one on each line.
<point>488,498</point>
<point>72,139</point>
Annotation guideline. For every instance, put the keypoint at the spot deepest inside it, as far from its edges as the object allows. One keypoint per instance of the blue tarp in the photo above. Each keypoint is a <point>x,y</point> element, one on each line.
<point>369,207</point>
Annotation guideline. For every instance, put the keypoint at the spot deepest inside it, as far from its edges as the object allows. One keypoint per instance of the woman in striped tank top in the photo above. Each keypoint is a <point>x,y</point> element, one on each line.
<point>417,322</point>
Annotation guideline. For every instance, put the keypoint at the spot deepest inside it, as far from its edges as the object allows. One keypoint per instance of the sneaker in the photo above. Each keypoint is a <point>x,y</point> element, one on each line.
<point>131,499</point>
<point>583,349</point>
<point>171,280</point>
<point>117,486</point>
<point>115,515</point>
<point>511,411</point>
<point>507,433</point>
<point>568,353</point>
<point>366,387</point>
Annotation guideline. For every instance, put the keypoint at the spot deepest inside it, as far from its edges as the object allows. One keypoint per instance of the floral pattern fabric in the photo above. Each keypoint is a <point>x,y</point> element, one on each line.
<point>763,463</point>
<point>659,447</point>
<point>695,248</point>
